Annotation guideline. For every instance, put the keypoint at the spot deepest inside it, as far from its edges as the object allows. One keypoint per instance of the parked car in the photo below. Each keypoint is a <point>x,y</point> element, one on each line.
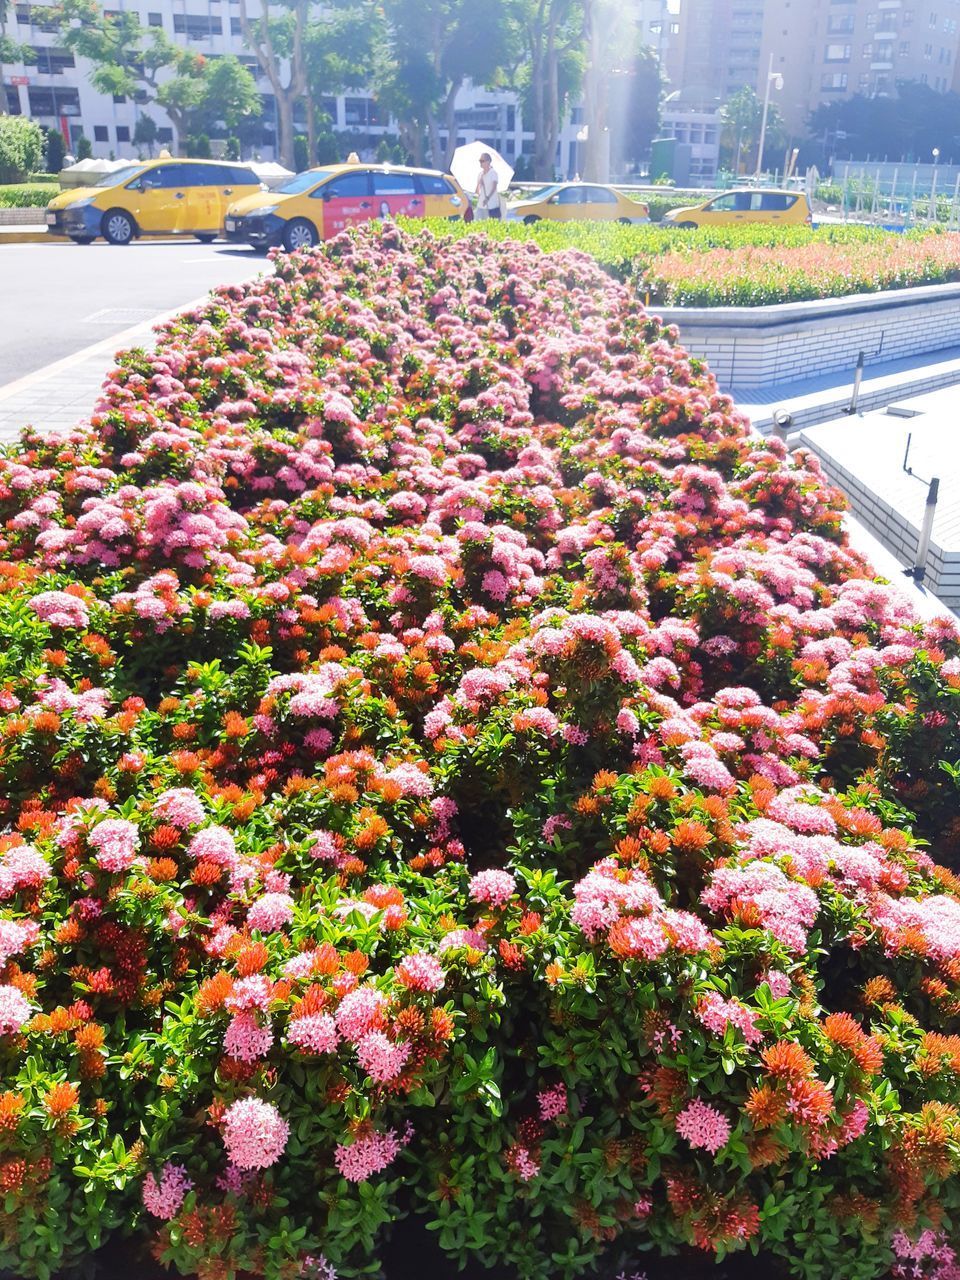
<point>158,197</point>
<point>315,205</point>
<point>580,201</point>
<point>753,204</point>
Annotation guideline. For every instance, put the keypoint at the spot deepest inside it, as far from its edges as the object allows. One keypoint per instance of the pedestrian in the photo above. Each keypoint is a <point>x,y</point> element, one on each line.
<point>488,189</point>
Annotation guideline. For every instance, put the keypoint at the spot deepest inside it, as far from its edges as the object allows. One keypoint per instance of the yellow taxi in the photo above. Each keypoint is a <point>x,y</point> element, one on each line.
<point>156,197</point>
<point>319,203</point>
<point>753,204</point>
<point>580,201</point>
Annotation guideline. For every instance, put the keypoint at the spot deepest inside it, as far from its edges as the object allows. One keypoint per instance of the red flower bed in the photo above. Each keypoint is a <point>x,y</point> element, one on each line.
<point>448,765</point>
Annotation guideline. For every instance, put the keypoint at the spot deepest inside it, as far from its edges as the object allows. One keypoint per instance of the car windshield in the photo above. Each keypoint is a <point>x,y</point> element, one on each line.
<point>119,176</point>
<point>303,182</point>
<point>544,192</point>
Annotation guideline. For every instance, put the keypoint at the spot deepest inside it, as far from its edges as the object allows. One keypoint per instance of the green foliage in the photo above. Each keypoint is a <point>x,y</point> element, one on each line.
<point>56,150</point>
<point>21,148</point>
<point>84,147</point>
<point>752,265</point>
<point>301,154</point>
<point>32,195</point>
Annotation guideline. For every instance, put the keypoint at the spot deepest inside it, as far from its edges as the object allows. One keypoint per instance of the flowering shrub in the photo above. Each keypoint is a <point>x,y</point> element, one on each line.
<point>748,266</point>
<point>449,765</point>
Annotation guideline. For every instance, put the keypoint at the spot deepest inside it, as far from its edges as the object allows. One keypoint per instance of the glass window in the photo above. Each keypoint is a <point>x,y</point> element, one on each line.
<point>100,133</point>
<point>348,184</point>
<point>737,201</point>
<point>169,176</point>
<point>303,182</point>
<point>570,195</point>
<point>154,20</point>
<point>773,201</point>
<point>598,195</point>
<point>837,53</point>
<point>241,177</point>
<point>123,133</point>
<point>394,184</point>
<point>432,184</point>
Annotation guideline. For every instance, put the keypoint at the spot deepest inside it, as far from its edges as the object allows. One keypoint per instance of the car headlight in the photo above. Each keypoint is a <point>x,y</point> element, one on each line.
<point>81,204</point>
<point>262,213</point>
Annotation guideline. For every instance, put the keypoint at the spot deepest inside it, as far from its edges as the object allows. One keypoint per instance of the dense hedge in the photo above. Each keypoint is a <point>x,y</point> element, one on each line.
<point>748,265</point>
<point>28,195</point>
<point>449,766</point>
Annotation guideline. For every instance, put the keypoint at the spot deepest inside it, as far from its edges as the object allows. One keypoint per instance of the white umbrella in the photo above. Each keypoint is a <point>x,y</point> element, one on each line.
<point>465,166</point>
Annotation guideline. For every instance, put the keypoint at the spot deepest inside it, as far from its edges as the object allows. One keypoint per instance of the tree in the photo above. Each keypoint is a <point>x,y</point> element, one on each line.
<point>742,120</point>
<point>340,47</point>
<point>227,99</point>
<point>906,127</point>
<point>432,47</point>
<point>276,39</point>
<point>143,63</point>
<point>611,42</point>
<point>145,133</point>
<point>549,41</point>
<point>21,148</point>
<point>635,109</point>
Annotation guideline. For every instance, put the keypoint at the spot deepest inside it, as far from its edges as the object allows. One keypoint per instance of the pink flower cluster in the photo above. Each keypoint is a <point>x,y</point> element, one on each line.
<point>254,1133</point>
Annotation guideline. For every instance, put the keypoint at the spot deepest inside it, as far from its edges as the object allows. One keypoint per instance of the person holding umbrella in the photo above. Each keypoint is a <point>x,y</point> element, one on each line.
<point>488,189</point>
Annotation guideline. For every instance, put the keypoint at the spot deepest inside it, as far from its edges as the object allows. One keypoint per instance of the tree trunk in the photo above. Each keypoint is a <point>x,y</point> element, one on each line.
<point>594,96</point>
<point>450,119</point>
<point>311,130</point>
<point>285,101</point>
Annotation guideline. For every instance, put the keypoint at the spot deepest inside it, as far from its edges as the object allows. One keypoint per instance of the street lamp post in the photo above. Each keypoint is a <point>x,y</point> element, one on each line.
<point>773,77</point>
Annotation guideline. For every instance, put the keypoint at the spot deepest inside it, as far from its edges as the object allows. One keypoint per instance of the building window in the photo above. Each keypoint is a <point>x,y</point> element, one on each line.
<point>197,26</point>
<point>100,133</point>
<point>236,27</point>
<point>868,50</point>
<point>837,53</point>
<point>13,100</point>
<point>53,62</point>
<point>907,18</point>
<point>928,51</point>
<point>53,102</point>
<point>154,19</point>
<point>834,82</point>
<point>871,21</point>
<point>838,23</point>
<point>123,133</point>
<point>164,134</point>
<point>932,20</point>
<point>904,48</point>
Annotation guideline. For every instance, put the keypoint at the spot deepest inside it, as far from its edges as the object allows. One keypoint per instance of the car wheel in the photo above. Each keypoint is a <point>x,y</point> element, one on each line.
<point>82,239</point>
<point>206,237</point>
<point>299,234</point>
<point>530,219</point>
<point>118,227</point>
<point>625,222</point>
<point>686,226</point>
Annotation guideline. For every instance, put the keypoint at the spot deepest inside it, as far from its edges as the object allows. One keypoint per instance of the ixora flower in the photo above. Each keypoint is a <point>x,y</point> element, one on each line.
<point>60,609</point>
<point>14,1010</point>
<point>428,703</point>
<point>254,1133</point>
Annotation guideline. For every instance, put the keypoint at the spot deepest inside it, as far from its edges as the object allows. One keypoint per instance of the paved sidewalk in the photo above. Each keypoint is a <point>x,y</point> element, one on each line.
<point>60,394</point>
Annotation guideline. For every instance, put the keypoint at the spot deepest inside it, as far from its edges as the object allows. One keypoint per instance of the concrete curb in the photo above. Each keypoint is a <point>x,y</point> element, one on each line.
<point>28,235</point>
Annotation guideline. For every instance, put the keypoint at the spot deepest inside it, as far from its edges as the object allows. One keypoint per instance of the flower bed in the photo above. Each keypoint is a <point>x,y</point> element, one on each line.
<point>749,266</point>
<point>449,767</point>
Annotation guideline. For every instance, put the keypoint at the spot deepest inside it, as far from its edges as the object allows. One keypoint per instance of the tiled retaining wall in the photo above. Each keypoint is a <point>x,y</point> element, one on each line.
<point>891,527</point>
<point>761,346</point>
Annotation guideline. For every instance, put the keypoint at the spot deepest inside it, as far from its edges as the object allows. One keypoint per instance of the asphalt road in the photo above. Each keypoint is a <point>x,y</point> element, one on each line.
<point>57,299</point>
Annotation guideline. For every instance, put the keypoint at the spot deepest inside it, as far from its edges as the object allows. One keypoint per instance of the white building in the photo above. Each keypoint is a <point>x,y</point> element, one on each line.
<point>57,91</point>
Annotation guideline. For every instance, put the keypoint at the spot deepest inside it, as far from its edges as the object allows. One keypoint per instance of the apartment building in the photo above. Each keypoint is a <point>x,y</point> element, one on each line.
<point>57,91</point>
<point>720,45</point>
<point>832,49</point>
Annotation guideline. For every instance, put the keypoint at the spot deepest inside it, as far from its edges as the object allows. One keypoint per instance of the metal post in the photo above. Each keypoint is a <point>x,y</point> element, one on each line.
<point>923,545</point>
<point>952,220</point>
<point>913,197</point>
<point>857,379</point>
<point>932,211</point>
<point>893,194</point>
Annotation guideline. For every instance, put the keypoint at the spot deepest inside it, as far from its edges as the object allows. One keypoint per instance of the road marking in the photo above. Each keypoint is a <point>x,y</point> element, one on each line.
<point>119,315</point>
<point>108,346</point>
